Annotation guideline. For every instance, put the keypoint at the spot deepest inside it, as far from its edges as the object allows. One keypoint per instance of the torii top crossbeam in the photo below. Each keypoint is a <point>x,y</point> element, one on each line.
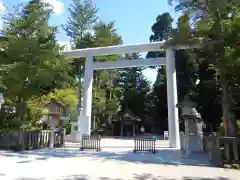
<point>118,49</point>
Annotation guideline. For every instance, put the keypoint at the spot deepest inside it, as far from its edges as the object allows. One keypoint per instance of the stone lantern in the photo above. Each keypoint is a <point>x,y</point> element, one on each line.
<point>192,139</point>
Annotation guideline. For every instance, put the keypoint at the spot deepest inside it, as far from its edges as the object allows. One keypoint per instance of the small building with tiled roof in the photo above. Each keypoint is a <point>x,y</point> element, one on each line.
<point>126,124</point>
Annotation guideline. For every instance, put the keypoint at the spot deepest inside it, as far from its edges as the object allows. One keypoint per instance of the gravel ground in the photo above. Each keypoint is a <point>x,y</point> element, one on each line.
<point>114,162</point>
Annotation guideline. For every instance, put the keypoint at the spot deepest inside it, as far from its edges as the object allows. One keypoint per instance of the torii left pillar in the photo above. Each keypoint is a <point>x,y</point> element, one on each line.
<point>173,123</point>
<point>84,120</point>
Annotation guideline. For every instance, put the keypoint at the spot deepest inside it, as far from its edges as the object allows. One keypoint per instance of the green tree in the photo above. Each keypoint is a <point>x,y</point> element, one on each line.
<point>156,104</point>
<point>32,53</point>
<point>216,24</point>
<point>82,17</point>
<point>106,90</point>
<point>134,87</point>
<point>79,28</point>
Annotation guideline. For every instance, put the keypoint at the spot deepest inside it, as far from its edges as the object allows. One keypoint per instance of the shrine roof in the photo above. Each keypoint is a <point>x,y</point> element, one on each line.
<point>128,115</point>
<point>54,101</point>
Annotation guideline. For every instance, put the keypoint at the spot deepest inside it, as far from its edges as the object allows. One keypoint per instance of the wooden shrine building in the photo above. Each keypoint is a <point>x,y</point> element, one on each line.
<point>55,112</point>
<point>126,124</point>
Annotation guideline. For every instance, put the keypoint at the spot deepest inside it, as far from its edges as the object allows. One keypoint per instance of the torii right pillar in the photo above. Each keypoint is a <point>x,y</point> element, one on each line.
<point>173,123</point>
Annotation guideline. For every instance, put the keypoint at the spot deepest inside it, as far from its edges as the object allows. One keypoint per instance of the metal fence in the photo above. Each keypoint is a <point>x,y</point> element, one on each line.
<point>91,142</point>
<point>144,144</point>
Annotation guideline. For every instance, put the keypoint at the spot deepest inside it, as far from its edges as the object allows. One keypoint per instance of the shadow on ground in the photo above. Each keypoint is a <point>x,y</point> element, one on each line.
<point>163,156</point>
<point>151,177</point>
<point>135,177</point>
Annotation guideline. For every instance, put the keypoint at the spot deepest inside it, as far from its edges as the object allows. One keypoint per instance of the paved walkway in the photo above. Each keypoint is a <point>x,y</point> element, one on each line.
<point>115,162</point>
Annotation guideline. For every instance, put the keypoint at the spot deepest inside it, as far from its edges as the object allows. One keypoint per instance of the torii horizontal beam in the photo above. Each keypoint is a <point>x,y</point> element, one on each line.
<point>129,63</point>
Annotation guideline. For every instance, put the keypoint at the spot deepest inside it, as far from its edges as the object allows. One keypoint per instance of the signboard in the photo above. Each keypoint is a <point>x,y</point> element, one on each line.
<point>56,117</point>
<point>64,118</point>
<point>80,111</point>
<point>76,128</point>
<point>165,135</point>
<point>1,100</point>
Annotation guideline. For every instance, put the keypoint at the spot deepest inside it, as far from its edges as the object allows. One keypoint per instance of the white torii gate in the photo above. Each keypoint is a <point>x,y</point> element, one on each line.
<point>84,121</point>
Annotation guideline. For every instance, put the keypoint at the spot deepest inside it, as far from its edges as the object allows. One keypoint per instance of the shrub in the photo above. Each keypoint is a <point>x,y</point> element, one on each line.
<point>235,166</point>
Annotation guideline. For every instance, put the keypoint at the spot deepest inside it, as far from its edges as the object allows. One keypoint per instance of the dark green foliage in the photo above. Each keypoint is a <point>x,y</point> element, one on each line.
<point>30,60</point>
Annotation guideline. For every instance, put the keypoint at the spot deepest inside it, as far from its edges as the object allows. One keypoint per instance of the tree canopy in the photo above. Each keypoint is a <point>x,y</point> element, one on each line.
<point>32,71</point>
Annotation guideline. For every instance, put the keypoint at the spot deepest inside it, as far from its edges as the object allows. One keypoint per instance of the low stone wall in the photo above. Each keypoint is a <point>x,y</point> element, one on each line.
<point>195,142</point>
<point>222,150</point>
<point>27,140</point>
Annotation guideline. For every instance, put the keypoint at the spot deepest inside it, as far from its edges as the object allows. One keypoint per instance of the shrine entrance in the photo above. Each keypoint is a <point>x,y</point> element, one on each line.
<point>84,121</point>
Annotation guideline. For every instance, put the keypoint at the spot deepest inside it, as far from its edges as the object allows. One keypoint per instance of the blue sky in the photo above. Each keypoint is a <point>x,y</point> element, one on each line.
<point>133,18</point>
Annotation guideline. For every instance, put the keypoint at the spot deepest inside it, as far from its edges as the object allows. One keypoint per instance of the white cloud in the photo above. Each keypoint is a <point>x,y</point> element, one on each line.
<point>57,5</point>
<point>2,11</point>
<point>2,7</point>
<point>66,44</point>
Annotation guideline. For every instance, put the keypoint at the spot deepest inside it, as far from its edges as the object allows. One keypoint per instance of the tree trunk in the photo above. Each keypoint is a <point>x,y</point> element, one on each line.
<point>94,119</point>
<point>228,118</point>
<point>219,45</point>
<point>21,108</point>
